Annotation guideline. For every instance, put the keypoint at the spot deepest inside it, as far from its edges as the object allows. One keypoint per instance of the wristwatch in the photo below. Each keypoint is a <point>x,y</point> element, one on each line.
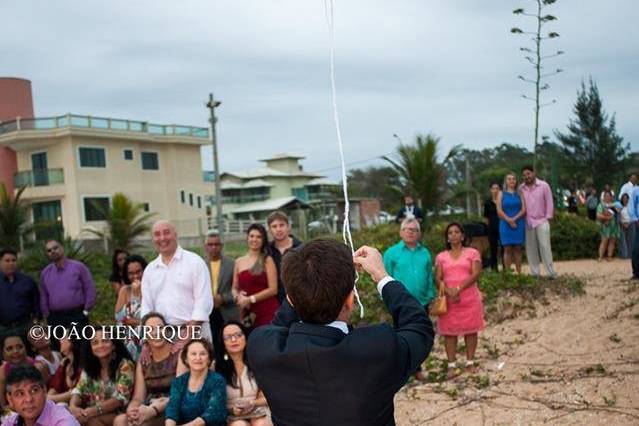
<point>252,299</point>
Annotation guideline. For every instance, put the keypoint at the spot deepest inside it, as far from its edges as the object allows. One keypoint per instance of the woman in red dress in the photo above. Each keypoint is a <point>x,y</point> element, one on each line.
<point>255,280</point>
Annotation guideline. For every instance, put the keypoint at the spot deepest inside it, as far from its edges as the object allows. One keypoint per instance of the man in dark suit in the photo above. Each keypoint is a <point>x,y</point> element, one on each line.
<point>317,371</point>
<point>221,270</point>
<point>409,211</point>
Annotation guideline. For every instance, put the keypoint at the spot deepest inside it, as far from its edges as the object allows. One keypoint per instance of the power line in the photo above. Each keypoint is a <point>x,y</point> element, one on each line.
<point>378,157</point>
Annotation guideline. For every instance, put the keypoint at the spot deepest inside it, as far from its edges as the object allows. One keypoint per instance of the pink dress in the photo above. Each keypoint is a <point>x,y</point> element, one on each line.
<point>467,315</point>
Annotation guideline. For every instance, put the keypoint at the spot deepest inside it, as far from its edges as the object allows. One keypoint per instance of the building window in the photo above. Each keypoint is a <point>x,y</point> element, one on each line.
<point>92,157</point>
<point>95,208</point>
<point>199,202</point>
<point>190,199</point>
<point>146,207</point>
<point>182,197</point>
<point>128,154</point>
<point>150,161</point>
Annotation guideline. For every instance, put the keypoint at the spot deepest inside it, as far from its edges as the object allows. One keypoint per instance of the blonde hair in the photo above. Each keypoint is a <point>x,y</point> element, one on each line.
<point>505,184</point>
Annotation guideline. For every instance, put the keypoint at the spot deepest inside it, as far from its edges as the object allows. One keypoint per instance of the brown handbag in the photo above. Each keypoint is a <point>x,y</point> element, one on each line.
<point>439,307</point>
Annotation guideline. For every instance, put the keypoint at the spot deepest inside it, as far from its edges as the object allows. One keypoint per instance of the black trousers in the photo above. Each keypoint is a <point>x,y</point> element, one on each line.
<point>216,320</point>
<point>493,240</point>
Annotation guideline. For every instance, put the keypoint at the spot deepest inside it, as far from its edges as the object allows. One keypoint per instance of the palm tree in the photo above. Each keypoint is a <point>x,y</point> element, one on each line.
<point>125,221</point>
<point>13,217</point>
<point>421,172</point>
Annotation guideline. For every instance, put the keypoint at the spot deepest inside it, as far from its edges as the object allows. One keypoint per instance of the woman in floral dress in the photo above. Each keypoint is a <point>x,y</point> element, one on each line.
<point>106,382</point>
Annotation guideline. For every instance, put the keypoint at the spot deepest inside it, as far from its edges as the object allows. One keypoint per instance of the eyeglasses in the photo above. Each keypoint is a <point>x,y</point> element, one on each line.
<point>235,336</point>
<point>49,250</point>
<point>410,229</point>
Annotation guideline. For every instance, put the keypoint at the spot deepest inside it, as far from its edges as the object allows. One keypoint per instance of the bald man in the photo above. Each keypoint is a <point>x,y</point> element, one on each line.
<point>177,283</point>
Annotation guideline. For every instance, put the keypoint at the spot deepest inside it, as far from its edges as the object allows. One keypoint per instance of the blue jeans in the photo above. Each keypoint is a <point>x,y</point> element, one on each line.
<point>626,241</point>
<point>635,252</point>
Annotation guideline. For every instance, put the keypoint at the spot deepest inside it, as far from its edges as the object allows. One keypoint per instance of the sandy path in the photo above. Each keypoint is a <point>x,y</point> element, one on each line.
<point>578,357</point>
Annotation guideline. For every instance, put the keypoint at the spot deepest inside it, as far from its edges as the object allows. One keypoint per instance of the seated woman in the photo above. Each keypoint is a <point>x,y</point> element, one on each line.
<point>45,354</point>
<point>197,397</point>
<point>128,307</point>
<point>14,354</point>
<point>246,403</point>
<point>105,384</point>
<point>68,374</point>
<point>152,378</point>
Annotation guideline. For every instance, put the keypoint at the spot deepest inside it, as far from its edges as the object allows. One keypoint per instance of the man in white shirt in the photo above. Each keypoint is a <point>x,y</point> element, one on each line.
<point>177,283</point>
<point>628,186</point>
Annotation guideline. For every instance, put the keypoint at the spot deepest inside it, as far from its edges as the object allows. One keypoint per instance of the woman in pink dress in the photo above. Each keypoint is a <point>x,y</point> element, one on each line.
<point>255,280</point>
<point>457,270</point>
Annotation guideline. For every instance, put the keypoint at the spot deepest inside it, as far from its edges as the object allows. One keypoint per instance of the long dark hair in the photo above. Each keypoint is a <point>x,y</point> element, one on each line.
<point>76,349</point>
<point>225,366</point>
<point>461,228</point>
<point>117,274</point>
<point>258,267</point>
<point>91,364</point>
<point>134,258</point>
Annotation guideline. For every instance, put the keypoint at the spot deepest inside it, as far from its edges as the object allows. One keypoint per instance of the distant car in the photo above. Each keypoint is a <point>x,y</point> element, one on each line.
<point>385,217</point>
<point>448,210</point>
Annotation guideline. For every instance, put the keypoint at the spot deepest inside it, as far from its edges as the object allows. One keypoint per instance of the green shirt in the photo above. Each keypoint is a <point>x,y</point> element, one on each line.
<point>413,268</point>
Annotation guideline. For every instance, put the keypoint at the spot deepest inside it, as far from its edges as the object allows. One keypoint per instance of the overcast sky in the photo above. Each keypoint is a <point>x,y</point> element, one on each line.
<point>404,67</point>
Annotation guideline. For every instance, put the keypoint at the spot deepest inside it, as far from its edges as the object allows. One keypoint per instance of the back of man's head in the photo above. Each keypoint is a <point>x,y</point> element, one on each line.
<point>318,278</point>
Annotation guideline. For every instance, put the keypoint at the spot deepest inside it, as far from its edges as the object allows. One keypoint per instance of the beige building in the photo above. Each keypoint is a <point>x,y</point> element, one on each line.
<point>281,184</point>
<point>71,163</point>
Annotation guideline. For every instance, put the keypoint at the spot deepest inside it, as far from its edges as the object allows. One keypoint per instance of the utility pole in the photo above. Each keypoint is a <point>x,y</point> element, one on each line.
<point>468,183</point>
<point>211,105</point>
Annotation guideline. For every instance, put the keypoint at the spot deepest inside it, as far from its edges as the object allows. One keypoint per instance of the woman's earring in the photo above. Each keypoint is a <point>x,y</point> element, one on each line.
<point>226,357</point>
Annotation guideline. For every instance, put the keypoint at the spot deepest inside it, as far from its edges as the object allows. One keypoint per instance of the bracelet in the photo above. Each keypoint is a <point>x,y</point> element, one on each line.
<point>253,299</point>
<point>98,407</point>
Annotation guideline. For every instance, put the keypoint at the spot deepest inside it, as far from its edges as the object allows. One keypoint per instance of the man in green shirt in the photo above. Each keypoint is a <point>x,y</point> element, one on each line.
<point>410,263</point>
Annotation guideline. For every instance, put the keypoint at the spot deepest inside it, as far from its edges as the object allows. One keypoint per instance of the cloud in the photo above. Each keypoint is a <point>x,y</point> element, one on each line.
<point>403,67</point>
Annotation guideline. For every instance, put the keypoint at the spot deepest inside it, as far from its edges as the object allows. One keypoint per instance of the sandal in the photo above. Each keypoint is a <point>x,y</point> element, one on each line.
<point>453,371</point>
<point>471,367</point>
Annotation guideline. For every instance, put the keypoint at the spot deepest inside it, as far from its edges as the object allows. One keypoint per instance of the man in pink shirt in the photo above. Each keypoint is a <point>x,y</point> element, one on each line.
<point>27,395</point>
<point>539,210</point>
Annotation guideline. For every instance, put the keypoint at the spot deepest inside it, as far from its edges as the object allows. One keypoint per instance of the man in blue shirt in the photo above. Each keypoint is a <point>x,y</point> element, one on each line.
<point>21,300</point>
<point>633,209</point>
<point>410,263</point>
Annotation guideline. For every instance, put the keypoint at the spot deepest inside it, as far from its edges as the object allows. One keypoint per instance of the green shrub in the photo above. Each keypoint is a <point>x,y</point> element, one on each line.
<point>573,237</point>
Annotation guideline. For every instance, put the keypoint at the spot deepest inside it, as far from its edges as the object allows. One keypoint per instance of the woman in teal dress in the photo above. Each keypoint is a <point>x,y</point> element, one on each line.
<point>511,210</point>
<point>198,396</point>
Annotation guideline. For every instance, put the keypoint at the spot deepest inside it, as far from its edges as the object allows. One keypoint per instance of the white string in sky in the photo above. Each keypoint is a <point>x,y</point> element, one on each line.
<point>346,229</point>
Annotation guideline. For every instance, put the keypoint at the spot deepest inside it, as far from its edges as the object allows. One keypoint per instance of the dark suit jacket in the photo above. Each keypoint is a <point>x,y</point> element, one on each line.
<point>225,288</point>
<point>315,375</point>
<point>401,215</point>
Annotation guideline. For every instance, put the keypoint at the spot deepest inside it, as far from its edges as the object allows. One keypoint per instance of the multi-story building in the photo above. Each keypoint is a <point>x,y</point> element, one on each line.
<point>71,163</point>
<point>281,184</point>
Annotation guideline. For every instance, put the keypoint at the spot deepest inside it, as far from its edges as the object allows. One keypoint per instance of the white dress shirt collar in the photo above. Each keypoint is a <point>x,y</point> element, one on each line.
<point>340,325</point>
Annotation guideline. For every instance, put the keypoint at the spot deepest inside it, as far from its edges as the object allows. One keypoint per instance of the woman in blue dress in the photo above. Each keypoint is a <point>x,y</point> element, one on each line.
<point>511,209</point>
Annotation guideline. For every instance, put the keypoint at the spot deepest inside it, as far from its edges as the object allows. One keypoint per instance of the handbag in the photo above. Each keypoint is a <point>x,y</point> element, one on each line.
<point>439,306</point>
